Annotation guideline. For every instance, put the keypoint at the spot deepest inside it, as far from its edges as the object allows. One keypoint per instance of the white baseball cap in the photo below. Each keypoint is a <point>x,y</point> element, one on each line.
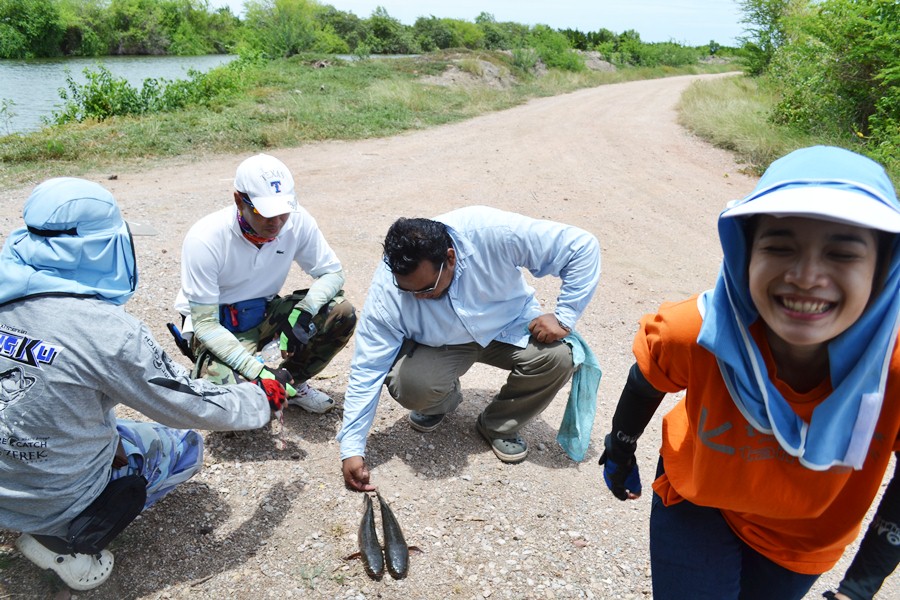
<point>268,183</point>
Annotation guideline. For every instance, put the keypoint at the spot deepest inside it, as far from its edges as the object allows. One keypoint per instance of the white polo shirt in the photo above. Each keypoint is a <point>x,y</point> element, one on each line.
<point>220,266</point>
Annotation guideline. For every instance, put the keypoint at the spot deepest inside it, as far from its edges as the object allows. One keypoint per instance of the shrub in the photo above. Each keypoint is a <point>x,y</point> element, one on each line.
<point>840,71</point>
<point>105,95</point>
<point>29,28</point>
<point>525,58</point>
<point>553,48</point>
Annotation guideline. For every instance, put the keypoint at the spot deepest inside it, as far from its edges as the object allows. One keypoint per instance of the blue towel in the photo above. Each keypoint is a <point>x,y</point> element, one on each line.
<point>578,420</point>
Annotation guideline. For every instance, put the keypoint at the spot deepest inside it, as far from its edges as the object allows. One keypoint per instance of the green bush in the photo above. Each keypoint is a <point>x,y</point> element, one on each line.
<point>187,41</point>
<point>388,35</point>
<point>525,58</point>
<point>840,71</point>
<point>105,95</point>
<point>433,33</point>
<point>554,49</point>
<point>12,42</point>
<point>29,29</point>
<point>280,28</point>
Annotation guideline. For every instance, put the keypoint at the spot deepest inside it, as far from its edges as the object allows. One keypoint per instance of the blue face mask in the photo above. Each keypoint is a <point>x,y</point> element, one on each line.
<point>74,242</point>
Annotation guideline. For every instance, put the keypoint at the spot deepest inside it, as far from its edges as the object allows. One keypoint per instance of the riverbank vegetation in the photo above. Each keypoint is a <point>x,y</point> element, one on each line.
<point>286,102</point>
<point>283,28</point>
<point>823,71</point>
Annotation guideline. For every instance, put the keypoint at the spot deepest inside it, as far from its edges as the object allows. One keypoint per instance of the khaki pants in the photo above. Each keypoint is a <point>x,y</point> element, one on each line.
<point>426,379</point>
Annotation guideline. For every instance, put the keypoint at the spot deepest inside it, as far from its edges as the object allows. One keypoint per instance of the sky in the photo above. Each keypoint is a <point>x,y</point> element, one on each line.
<point>687,22</point>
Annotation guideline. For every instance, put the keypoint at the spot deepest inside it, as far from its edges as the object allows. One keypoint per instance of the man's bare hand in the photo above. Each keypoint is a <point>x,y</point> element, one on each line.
<point>546,329</point>
<point>356,474</point>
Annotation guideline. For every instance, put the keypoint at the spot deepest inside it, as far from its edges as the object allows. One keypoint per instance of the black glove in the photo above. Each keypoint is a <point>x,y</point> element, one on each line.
<point>620,470</point>
<point>298,330</point>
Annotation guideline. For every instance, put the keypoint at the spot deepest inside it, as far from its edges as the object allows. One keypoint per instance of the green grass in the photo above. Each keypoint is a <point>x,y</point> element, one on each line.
<point>733,113</point>
<point>288,103</point>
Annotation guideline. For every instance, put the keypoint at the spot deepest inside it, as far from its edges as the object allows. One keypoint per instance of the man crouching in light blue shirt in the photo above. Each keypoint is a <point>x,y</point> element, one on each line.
<point>450,293</point>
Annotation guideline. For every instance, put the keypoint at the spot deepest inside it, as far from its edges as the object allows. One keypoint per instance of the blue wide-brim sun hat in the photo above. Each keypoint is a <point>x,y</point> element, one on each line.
<point>827,183</point>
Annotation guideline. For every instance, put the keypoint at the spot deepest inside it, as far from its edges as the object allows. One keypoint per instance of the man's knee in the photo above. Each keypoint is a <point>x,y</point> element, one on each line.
<point>341,321</point>
<point>554,358</point>
<point>415,392</point>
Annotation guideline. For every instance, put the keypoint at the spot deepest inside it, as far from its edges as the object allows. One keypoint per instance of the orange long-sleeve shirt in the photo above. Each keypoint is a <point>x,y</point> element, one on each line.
<point>799,518</point>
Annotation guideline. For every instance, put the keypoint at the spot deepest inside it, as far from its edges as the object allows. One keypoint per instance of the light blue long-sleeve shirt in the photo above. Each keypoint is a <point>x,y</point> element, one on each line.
<point>487,300</point>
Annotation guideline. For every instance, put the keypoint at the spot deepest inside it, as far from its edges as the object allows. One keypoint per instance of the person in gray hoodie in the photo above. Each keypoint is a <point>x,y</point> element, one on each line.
<point>73,475</point>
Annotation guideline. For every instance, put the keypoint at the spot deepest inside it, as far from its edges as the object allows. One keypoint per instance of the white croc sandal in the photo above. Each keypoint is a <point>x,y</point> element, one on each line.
<point>78,571</point>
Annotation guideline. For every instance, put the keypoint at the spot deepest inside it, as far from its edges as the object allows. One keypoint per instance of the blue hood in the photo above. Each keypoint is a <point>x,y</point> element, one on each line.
<point>841,428</point>
<point>74,242</point>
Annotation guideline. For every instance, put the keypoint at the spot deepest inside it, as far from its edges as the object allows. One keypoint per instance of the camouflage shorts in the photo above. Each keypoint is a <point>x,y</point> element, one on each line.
<point>335,323</point>
<point>164,456</point>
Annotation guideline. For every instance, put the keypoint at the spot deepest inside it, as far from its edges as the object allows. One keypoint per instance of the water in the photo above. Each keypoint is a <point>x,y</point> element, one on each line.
<point>34,85</point>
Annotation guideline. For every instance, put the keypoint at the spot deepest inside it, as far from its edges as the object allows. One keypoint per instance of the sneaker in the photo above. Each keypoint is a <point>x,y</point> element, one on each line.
<point>78,571</point>
<point>310,399</point>
<point>510,450</point>
<point>424,423</point>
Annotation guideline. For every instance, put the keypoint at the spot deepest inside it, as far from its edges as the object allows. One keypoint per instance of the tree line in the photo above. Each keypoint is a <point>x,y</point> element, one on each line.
<point>283,28</point>
<point>834,67</point>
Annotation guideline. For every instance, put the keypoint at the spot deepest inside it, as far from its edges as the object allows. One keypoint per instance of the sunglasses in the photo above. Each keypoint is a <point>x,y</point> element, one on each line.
<point>246,200</point>
<point>422,292</point>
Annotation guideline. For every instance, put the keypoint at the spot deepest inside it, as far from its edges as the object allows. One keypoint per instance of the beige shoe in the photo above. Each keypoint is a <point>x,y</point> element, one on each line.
<point>78,571</point>
<point>310,399</point>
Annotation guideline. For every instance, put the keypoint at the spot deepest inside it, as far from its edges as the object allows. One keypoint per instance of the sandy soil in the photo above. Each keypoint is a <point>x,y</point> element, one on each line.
<point>260,521</point>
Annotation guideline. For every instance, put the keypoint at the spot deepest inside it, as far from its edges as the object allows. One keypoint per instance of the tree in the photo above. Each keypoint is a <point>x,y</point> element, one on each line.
<point>345,25</point>
<point>29,28</point>
<point>435,34</point>
<point>137,27</point>
<point>389,35</point>
<point>765,27</point>
<point>280,28</point>
<point>554,49</point>
<point>839,71</point>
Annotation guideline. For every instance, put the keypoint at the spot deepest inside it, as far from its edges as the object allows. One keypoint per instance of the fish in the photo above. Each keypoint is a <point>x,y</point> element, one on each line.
<point>369,547</point>
<point>396,552</point>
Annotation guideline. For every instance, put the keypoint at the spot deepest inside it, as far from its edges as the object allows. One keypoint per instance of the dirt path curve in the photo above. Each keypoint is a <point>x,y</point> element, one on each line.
<point>260,520</point>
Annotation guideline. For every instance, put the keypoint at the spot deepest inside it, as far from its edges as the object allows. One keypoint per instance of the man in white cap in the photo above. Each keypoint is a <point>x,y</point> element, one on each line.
<point>234,263</point>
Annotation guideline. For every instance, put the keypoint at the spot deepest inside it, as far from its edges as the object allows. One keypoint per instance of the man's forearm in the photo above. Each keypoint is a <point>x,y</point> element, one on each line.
<point>321,292</point>
<point>221,342</point>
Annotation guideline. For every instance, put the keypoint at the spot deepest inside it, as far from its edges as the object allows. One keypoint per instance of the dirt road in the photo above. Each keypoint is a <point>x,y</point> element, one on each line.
<point>264,522</point>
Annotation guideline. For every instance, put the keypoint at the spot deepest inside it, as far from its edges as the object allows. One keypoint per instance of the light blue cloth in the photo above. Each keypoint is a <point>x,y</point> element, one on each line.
<point>578,420</point>
<point>843,424</point>
<point>94,257</point>
<point>488,300</point>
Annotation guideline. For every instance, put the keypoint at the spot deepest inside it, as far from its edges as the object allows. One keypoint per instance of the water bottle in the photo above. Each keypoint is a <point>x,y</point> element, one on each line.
<point>270,355</point>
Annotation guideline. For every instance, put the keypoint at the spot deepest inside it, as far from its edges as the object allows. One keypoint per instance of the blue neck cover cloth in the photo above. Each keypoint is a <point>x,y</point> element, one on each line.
<point>842,426</point>
<point>75,242</point>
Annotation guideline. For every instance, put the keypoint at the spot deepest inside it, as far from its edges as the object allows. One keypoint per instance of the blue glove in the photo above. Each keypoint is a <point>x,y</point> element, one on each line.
<point>620,470</point>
